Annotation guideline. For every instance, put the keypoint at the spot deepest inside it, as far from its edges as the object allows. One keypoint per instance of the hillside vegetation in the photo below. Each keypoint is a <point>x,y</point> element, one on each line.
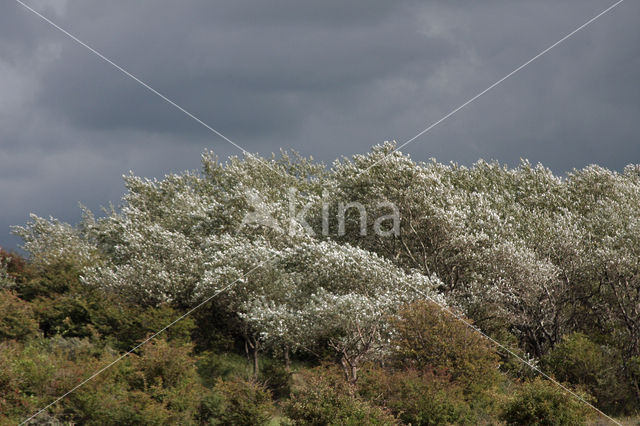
<point>307,302</point>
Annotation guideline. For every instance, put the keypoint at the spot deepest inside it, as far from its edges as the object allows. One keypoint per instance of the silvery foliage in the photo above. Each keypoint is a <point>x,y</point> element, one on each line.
<point>469,226</point>
<point>51,241</point>
<point>521,243</point>
<point>182,240</point>
<point>323,290</point>
<point>610,254</point>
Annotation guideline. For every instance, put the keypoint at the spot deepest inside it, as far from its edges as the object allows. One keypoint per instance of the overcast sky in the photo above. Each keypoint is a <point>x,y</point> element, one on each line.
<point>326,78</point>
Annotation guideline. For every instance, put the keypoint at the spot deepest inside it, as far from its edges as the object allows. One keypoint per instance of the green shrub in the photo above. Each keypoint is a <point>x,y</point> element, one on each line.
<point>63,305</point>
<point>126,325</point>
<point>159,386</point>
<point>113,404</point>
<point>49,280</point>
<point>14,269</point>
<point>244,402</point>
<point>164,365</point>
<point>540,402</point>
<point>67,315</point>
<point>418,398</point>
<point>32,374</point>
<point>429,338</point>
<point>211,409</point>
<point>216,330</point>
<point>577,359</point>
<point>325,399</point>
<point>596,368</point>
<point>11,398</point>
<point>17,320</point>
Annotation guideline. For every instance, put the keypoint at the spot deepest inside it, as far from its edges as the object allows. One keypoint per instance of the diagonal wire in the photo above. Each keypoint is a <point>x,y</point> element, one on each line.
<point>472,99</point>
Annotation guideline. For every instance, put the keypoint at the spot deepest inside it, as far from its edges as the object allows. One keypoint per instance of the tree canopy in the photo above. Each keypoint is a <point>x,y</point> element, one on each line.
<point>529,256</point>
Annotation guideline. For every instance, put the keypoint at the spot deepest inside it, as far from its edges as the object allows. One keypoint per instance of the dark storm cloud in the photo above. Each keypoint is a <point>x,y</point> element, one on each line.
<point>254,78</point>
<point>326,78</point>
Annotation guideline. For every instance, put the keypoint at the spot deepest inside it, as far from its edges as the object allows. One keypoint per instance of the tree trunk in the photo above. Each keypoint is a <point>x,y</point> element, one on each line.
<point>350,370</point>
<point>354,375</point>
<point>345,368</point>
<point>287,361</point>
<point>255,347</point>
<point>255,361</point>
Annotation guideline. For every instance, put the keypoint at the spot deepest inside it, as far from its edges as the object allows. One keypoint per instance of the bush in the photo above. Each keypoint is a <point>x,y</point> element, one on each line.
<point>159,386</point>
<point>11,398</point>
<point>32,374</point>
<point>17,320</point>
<point>432,339</point>
<point>14,269</point>
<point>596,368</point>
<point>325,399</point>
<point>67,315</point>
<point>163,365</point>
<point>540,402</point>
<point>48,280</point>
<point>418,398</point>
<point>64,306</point>
<point>126,325</point>
<point>211,409</point>
<point>61,304</point>
<point>244,402</point>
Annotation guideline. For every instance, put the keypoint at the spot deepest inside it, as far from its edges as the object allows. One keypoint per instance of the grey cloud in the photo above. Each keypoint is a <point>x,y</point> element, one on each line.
<point>251,80</point>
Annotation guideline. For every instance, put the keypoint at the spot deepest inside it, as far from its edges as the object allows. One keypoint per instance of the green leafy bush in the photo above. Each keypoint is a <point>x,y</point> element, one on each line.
<point>125,325</point>
<point>159,386</point>
<point>11,398</point>
<point>32,374</point>
<point>325,399</point>
<point>48,280</point>
<point>540,402</point>
<point>418,398</point>
<point>595,368</point>
<point>64,306</point>
<point>212,366</point>
<point>244,402</point>
<point>17,320</point>
<point>14,269</point>
<point>429,338</point>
